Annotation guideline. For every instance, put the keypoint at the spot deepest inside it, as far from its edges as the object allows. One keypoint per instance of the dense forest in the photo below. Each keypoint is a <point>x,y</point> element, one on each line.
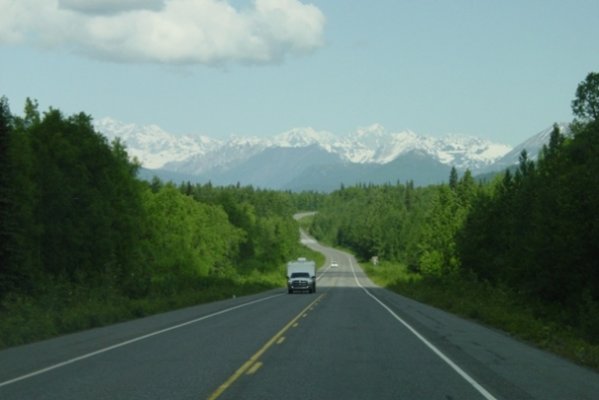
<point>78,227</point>
<point>532,231</point>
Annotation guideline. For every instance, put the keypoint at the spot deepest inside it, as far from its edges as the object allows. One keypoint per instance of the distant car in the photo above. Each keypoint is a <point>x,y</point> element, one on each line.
<point>334,264</point>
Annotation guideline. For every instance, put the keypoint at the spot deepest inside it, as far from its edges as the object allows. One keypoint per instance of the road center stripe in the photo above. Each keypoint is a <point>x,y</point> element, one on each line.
<point>249,364</point>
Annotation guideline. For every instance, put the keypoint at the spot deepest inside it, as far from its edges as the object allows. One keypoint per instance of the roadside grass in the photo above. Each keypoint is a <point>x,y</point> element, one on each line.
<point>61,309</point>
<point>65,308</point>
<point>498,307</point>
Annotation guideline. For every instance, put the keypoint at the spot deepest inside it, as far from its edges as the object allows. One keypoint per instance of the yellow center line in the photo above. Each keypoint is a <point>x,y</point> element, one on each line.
<point>281,340</point>
<point>254,368</point>
<point>253,359</point>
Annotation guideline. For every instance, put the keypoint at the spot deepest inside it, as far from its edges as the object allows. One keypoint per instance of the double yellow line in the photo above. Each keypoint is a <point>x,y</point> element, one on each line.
<point>252,365</point>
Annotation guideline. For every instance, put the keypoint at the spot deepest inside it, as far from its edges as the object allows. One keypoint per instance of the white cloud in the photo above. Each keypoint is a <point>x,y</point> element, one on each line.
<point>107,7</point>
<point>166,31</point>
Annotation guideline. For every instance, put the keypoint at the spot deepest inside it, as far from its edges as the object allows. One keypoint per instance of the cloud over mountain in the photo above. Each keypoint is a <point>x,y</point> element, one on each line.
<point>209,32</point>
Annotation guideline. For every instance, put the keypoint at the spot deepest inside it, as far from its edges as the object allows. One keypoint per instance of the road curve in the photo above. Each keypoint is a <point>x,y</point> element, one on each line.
<point>350,340</point>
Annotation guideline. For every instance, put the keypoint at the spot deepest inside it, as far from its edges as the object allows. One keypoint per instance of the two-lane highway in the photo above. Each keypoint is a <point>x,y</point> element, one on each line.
<point>349,340</point>
<point>348,347</point>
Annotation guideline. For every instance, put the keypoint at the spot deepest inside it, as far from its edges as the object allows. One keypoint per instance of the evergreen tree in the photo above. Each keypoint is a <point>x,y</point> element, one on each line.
<point>586,103</point>
<point>6,241</point>
<point>21,264</point>
<point>453,179</point>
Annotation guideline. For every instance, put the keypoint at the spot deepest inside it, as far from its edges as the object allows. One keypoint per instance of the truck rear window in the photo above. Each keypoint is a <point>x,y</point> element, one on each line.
<point>300,275</point>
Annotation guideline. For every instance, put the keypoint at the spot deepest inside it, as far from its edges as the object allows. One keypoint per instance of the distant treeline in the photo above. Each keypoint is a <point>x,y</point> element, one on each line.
<point>74,215</point>
<point>534,232</point>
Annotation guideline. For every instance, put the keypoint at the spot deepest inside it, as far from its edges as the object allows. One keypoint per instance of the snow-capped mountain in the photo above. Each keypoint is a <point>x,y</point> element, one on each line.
<point>222,157</point>
<point>240,159</point>
<point>151,145</point>
<point>533,147</point>
<point>302,137</point>
<point>156,148</point>
<point>461,151</point>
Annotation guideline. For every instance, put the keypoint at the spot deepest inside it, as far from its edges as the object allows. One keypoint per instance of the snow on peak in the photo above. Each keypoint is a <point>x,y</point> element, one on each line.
<point>151,145</point>
<point>375,145</point>
<point>373,130</point>
<point>302,137</point>
<point>156,148</point>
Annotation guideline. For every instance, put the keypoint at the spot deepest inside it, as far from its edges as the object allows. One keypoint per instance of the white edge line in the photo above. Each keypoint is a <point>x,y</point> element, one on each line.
<point>130,341</point>
<point>428,344</point>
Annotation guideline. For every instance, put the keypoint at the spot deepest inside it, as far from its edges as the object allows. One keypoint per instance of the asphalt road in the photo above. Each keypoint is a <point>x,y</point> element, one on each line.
<point>349,340</point>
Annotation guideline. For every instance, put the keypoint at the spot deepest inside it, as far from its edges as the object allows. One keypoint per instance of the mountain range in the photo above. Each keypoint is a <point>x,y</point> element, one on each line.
<point>307,159</point>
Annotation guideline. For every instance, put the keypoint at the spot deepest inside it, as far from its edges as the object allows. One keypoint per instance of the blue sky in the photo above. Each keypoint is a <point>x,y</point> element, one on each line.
<point>501,70</point>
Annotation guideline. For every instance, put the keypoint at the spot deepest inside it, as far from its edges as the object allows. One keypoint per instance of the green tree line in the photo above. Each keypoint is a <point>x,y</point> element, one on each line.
<point>533,230</point>
<point>77,222</point>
